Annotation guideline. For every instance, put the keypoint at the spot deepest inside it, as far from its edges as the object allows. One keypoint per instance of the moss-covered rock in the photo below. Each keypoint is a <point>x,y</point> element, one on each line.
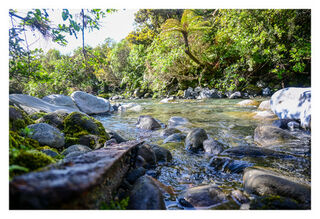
<point>32,159</point>
<point>77,125</point>
<point>55,119</point>
<point>38,115</point>
<point>18,119</point>
<point>16,140</point>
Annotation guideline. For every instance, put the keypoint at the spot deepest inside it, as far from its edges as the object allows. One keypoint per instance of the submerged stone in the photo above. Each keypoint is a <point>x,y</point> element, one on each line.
<point>148,123</point>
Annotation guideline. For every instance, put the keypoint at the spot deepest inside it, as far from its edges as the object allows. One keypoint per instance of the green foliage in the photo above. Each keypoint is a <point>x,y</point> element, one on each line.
<point>115,205</point>
<point>169,50</point>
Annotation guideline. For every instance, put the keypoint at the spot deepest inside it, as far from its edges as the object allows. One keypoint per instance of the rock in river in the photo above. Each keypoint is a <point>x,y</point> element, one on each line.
<point>228,165</point>
<point>177,121</point>
<point>205,196</point>
<point>148,123</point>
<point>146,195</point>
<point>268,135</point>
<point>90,104</point>
<point>169,131</point>
<point>248,103</point>
<point>177,137</point>
<point>263,181</point>
<point>46,134</point>
<point>212,146</point>
<point>293,103</point>
<point>195,138</point>
<point>265,105</point>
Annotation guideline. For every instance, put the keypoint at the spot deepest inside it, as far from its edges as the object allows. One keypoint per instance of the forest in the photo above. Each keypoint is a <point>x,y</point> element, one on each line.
<point>169,51</point>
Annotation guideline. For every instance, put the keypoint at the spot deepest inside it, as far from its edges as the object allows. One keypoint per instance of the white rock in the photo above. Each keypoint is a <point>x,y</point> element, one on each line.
<point>293,103</point>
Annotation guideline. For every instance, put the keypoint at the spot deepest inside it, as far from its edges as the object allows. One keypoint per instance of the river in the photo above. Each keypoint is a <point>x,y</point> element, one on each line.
<point>231,125</point>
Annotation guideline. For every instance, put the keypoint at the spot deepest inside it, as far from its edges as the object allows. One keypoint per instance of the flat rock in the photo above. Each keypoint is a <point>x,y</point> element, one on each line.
<point>32,104</point>
<point>82,182</point>
<point>293,103</point>
<point>263,181</point>
<point>90,104</point>
<point>177,137</point>
<point>228,165</point>
<point>60,100</point>
<point>169,131</point>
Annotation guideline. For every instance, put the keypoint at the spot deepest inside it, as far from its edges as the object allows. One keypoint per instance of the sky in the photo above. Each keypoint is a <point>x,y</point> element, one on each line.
<point>116,25</point>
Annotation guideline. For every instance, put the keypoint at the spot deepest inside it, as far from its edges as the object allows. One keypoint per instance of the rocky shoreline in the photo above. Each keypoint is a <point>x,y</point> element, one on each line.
<point>76,163</point>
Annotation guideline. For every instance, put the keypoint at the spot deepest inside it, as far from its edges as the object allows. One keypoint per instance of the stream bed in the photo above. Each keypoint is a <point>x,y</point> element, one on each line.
<point>223,121</point>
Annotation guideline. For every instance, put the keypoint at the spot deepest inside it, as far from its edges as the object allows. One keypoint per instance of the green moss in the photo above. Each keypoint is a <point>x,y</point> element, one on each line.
<point>115,205</point>
<point>32,159</point>
<point>38,115</point>
<point>77,125</point>
<point>18,119</point>
<point>16,140</point>
<point>180,93</point>
<point>172,145</point>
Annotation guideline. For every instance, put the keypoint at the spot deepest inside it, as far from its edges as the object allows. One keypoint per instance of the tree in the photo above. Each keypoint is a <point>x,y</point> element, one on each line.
<point>189,23</point>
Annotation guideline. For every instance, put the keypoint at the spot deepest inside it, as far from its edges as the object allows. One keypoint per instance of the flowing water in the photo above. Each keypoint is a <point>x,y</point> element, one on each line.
<point>224,121</point>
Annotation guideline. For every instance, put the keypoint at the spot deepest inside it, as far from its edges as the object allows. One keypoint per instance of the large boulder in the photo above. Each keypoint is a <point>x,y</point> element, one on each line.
<point>82,182</point>
<point>263,181</point>
<point>46,134</point>
<point>293,103</point>
<point>32,104</point>
<point>205,196</point>
<point>80,128</point>
<point>148,123</point>
<point>269,135</point>
<point>195,138</point>
<point>90,104</point>
<point>60,100</point>
<point>146,195</point>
